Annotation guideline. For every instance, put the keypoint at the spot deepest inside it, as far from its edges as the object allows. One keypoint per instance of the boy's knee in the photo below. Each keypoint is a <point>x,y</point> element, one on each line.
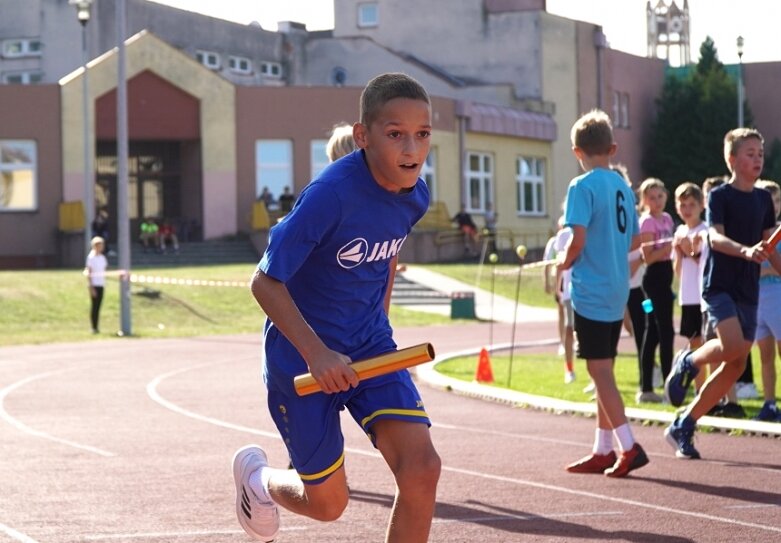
<point>421,474</point>
<point>328,508</point>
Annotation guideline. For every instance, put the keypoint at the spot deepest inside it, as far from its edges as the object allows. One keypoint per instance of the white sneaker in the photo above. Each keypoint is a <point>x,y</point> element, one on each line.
<point>259,518</point>
<point>569,377</point>
<point>589,388</point>
<point>746,391</point>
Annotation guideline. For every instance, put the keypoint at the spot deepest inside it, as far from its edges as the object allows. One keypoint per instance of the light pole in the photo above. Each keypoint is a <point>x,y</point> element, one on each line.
<point>83,8</point>
<point>123,222</point>
<point>740,81</point>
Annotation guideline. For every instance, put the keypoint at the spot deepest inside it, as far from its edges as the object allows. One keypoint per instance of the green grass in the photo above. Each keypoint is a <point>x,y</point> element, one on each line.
<point>50,306</point>
<point>544,375</point>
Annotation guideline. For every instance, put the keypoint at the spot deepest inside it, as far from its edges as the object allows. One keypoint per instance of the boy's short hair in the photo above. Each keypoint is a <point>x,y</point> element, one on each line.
<point>593,133</point>
<point>688,189</point>
<point>734,138</point>
<point>384,88</point>
<point>771,186</point>
<point>341,142</point>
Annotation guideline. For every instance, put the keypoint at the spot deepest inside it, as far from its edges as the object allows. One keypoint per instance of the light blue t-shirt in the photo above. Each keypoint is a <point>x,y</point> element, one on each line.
<point>333,252</point>
<point>602,203</point>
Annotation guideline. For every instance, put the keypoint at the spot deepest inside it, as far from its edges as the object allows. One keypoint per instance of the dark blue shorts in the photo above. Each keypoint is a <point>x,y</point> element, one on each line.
<point>310,425</point>
<point>721,306</point>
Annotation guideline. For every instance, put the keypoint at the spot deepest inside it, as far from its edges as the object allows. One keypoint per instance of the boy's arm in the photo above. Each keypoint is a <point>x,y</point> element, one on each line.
<point>574,247</point>
<point>329,368</point>
<point>723,244</point>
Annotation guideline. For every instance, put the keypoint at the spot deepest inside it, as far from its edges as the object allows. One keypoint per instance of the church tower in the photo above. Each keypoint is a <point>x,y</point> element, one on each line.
<point>668,29</point>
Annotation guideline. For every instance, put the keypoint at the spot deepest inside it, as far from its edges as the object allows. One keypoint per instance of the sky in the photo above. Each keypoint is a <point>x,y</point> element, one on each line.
<point>623,21</point>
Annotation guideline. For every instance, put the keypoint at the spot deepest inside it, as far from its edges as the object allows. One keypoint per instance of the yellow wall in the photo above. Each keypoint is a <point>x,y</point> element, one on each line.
<point>144,51</point>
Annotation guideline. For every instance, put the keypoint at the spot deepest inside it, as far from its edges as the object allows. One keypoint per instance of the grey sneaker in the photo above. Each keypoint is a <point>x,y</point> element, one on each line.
<point>259,518</point>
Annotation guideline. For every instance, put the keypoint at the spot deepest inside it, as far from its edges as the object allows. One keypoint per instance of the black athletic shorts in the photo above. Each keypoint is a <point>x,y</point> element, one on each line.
<point>597,339</point>
<point>691,321</point>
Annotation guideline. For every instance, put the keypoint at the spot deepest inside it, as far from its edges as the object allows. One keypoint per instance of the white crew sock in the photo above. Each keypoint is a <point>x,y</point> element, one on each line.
<point>258,483</point>
<point>603,441</point>
<point>624,436</point>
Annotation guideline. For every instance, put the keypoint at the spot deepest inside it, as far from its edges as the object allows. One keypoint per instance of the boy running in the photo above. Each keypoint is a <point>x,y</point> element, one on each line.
<point>740,220</point>
<point>601,213</point>
<point>324,282</point>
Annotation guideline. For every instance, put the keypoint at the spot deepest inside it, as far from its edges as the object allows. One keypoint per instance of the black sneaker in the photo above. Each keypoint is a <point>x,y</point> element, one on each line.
<point>731,410</point>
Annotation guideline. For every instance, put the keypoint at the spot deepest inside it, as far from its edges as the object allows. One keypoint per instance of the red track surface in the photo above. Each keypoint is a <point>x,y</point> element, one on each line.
<point>131,441</point>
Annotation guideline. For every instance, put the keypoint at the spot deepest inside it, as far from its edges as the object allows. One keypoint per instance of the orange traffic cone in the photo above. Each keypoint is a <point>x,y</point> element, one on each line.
<point>484,374</point>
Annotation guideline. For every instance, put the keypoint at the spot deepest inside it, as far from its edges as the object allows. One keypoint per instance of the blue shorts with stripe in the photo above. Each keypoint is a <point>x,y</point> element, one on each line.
<point>310,425</point>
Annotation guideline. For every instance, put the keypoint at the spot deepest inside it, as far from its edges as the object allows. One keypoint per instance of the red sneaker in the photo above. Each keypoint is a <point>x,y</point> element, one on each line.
<point>593,463</point>
<point>629,460</point>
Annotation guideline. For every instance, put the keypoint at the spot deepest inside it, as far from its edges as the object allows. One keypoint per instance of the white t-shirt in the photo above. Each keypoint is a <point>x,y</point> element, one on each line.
<point>704,252</point>
<point>97,264</point>
<point>691,270</point>
<point>636,280</point>
<point>560,244</point>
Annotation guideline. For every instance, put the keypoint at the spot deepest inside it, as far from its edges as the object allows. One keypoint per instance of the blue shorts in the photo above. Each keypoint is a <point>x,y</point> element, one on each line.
<point>721,306</point>
<point>769,311</point>
<point>310,425</point>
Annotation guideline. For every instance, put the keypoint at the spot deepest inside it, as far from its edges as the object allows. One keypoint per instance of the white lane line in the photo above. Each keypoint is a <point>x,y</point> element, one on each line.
<point>165,536</point>
<point>752,506</point>
<point>624,501</point>
<point>488,519</point>
<point>16,536</point>
<point>151,389</point>
<point>37,433</point>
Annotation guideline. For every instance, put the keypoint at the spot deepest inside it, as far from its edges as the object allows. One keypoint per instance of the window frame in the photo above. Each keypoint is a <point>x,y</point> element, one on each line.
<point>25,46</point>
<point>286,169</point>
<point>202,56</point>
<point>537,179</point>
<point>317,163</point>
<point>29,77</point>
<point>22,166</point>
<point>485,180</point>
<point>235,62</point>
<point>363,21</point>
<point>271,69</point>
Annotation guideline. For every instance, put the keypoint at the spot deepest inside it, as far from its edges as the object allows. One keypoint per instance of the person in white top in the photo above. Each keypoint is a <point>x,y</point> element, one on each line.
<point>95,270</point>
<point>563,295</point>
<point>687,246</point>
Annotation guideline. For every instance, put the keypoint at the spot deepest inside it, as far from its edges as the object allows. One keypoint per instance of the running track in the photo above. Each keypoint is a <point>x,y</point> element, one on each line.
<point>131,440</point>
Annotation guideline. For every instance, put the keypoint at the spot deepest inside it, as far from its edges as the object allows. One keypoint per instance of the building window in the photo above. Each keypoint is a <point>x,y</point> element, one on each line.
<point>209,59</point>
<point>21,48</point>
<point>240,65</point>
<point>620,109</point>
<point>625,110</point>
<point>273,167</point>
<point>368,14</point>
<point>271,69</point>
<point>18,175</point>
<point>22,78</point>
<point>479,181</point>
<point>429,173</point>
<point>530,186</point>
<point>318,158</point>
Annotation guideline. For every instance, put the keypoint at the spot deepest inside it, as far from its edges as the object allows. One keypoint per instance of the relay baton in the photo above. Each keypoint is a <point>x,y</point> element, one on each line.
<point>774,238</point>
<point>372,367</point>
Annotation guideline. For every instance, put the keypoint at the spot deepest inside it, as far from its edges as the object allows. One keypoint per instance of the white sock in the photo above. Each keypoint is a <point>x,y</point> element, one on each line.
<point>603,441</point>
<point>624,436</point>
<point>258,483</point>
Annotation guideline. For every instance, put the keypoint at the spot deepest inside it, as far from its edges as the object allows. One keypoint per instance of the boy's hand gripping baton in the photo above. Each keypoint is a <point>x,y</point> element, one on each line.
<point>372,367</point>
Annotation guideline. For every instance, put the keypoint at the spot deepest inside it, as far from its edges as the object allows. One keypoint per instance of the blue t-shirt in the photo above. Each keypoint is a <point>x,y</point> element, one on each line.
<point>602,203</point>
<point>333,252</point>
<point>744,216</point>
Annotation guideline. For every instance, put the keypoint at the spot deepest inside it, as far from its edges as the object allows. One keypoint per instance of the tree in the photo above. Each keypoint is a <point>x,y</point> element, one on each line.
<point>696,109</point>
